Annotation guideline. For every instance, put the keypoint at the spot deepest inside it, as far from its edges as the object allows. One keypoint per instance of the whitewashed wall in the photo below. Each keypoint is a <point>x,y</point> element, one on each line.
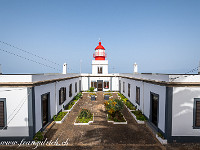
<point>145,89</point>
<point>53,88</point>
<point>17,122</point>
<point>182,111</point>
<point>84,83</point>
<point>99,63</point>
<point>115,83</point>
<point>161,91</point>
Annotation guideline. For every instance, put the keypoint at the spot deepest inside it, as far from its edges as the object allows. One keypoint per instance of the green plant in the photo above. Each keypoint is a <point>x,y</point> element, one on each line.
<point>139,115</point>
<point>113,106</point>
<point>92,94</point>
<point>38,136</point>
<point>160,135</point>
<point>91,89</point>
<point>108,94</point>
<point>60,116</point>
<point>117,118</point>
<point>85,116</point>
<point>130,105</point>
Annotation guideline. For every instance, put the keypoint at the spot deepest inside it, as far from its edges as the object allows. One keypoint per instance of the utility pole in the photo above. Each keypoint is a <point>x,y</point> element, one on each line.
<point>80,65</point>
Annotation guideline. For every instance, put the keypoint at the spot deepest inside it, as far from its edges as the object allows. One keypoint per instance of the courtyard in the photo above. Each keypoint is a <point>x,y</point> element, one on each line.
<point>100,132</point>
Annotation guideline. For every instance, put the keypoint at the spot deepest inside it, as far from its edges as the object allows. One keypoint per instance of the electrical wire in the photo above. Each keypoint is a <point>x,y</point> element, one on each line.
<point>30,53</point>
<point>28,59</point>
<point>25,99</point>
<point>195,69</point>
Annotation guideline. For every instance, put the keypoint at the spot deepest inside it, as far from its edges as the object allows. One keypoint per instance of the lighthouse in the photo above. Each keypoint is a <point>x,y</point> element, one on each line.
<point>100,64</point>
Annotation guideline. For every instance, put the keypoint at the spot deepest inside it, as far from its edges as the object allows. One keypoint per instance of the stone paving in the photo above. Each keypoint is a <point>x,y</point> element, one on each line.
<point>101,133</point>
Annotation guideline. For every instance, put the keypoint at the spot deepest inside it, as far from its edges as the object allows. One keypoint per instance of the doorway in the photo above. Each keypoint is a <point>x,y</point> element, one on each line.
<point>154,108</point>
<point>99,85</point>
<point>45,105</point>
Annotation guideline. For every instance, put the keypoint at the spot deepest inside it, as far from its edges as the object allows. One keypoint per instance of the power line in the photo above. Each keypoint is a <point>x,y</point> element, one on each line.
<point>28,59</point>
<point>25,99</point>
<point>29,53</point>
<point>195,69</point>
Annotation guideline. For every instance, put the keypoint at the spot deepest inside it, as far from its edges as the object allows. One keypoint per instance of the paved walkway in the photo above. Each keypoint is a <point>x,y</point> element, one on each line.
<point>101,133</point>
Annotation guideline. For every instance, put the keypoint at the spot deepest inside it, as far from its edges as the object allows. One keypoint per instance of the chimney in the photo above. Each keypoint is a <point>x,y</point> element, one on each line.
<point>64,68</point>
<point>0,69</point>
<point>135,68</point>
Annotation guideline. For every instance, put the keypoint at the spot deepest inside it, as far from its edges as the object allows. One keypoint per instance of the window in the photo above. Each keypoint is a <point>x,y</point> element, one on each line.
<point>138,95</point>
<point>124,87</point>
<point>75,87</point>
<point>100,70</point>
<point>196,113</point>
<point>62,95</point>
<point>94,84</point>
<point>106,85</point>
<point>129,90</point>
<point>3,117</point>
<point>70,90</point>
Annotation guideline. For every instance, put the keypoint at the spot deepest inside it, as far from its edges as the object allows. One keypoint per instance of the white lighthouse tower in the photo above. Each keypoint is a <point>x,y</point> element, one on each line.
<point>99,65</point>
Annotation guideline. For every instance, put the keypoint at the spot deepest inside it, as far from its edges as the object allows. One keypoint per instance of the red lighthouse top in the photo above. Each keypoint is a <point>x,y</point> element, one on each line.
<point>99,52</point>
<point>100,46</point>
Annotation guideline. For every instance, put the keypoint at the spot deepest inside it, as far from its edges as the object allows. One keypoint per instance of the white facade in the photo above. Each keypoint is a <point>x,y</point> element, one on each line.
<point>100,63</point>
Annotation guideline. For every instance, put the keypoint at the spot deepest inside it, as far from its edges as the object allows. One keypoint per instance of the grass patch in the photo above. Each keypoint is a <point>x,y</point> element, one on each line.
<point>118,118</point>
<point>139,115</point>
<point>60,116</point>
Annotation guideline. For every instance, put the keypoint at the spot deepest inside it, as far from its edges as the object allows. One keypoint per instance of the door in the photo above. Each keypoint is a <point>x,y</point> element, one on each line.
<point>154,108</point>
<point>99,85</point>
<point>45,109</point>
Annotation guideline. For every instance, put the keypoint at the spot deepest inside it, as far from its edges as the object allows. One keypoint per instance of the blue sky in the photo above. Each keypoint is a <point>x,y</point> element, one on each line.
<point>161,36</point>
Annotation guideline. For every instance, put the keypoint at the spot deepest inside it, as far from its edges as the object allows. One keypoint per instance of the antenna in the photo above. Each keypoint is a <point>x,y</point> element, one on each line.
<point>80,65</point>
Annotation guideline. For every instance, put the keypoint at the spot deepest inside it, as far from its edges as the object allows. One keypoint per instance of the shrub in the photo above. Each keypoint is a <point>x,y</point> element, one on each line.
<point>108,94</point>
<point>60,116</point>
<point>85,116</point>
<point>114,106</point>
<point>92,94</point>
<point>130,105</point>
<point>38,136</point>
<point>91,89</point>
<point>160,135</point>
<point>139,115</point>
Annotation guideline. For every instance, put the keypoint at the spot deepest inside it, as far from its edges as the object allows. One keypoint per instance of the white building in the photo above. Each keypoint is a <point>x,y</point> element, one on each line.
<point>170,102</point>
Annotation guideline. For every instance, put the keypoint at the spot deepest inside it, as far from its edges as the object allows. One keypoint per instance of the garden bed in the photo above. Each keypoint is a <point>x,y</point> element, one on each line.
<point>72,103</point>
<point>84,118</point>
<point>161,140</point>
<point>60,117</point>
<point>120,120</point>
<point>138,116</point>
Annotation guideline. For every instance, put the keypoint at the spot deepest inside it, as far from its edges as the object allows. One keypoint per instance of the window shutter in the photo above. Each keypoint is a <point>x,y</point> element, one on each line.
<point>197,114</point>
<point>95,84</point>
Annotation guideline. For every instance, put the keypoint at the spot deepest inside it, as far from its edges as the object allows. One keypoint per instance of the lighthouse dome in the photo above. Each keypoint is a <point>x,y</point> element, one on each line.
<point>99,46</point>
